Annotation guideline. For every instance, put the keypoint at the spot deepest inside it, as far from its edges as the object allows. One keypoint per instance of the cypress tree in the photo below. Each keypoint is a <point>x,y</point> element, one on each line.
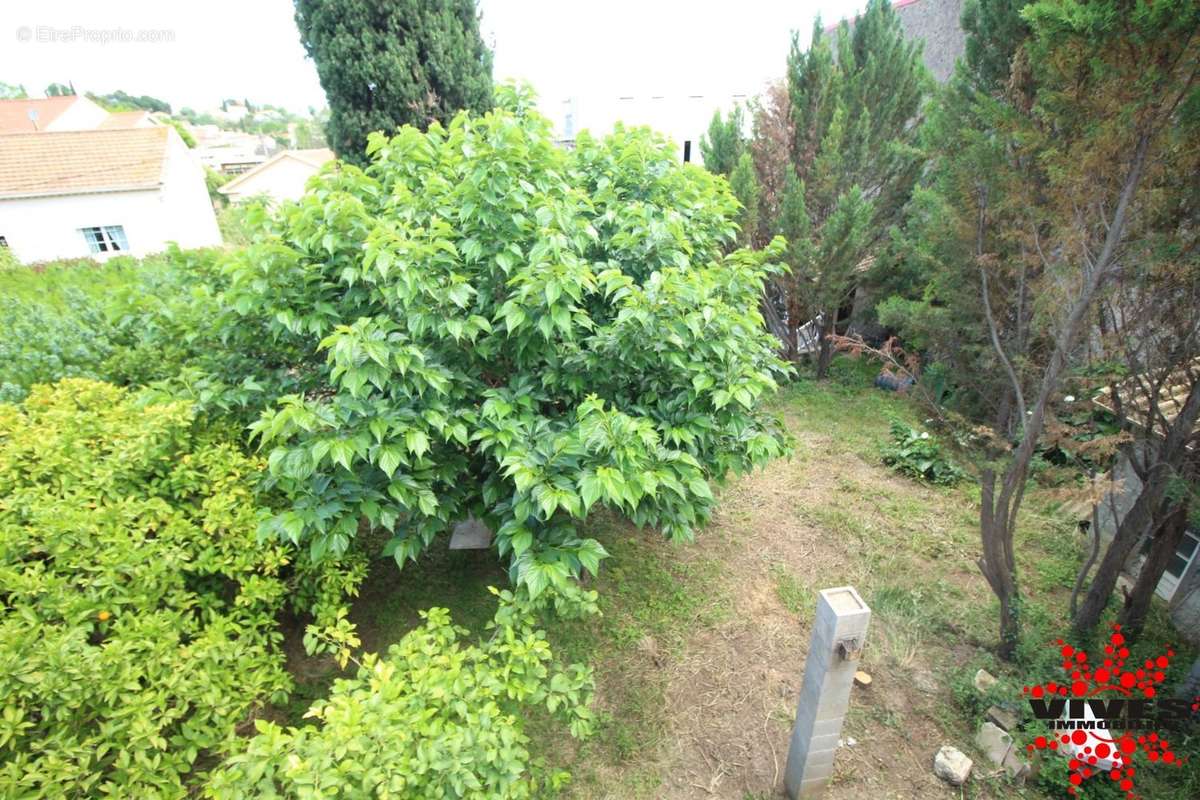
<point>995,30</point>
<point>743,181</point>
<point>388,63</point>
<point>855,100</point>
<point>723,144</point>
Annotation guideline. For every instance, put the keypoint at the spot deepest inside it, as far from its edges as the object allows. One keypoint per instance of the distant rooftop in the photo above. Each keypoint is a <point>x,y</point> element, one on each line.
<point>125,119</point>
<point>80,162</point>
<point>15,118</point>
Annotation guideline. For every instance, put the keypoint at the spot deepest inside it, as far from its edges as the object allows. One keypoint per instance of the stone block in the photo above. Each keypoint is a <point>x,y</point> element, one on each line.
<point>470,534</point>
<point>1003,718</point>
<point>984,680</point>
<point>1017,767</point>
<point>994,742</point>
<point>952,765</point>
<point>842,617</point>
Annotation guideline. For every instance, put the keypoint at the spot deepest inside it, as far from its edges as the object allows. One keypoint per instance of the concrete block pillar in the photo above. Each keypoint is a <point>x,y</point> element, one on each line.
<point>839,632</point>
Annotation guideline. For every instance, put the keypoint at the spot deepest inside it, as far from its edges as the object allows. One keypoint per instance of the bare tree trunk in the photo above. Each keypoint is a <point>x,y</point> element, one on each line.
<point>1137,602</point>
<point>1139,520</point>
<point>997,564</point>
<point>998,512</point>
<point>1004,413</point>
<point>1146,512</point>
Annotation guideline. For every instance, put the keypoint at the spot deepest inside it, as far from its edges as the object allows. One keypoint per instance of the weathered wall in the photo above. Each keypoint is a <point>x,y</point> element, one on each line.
<point>936,23</point>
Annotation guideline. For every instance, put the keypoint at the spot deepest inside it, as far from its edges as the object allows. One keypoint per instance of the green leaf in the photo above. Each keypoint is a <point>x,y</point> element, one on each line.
<point>417,442</point>
<point>389,459</point>
<point>521,541</point>
<point>590,554</point>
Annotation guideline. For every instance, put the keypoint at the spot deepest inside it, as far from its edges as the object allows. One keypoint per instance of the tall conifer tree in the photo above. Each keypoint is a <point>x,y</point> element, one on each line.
<point>855,97</point>
<point>724,143</point>
<point>387,63</point>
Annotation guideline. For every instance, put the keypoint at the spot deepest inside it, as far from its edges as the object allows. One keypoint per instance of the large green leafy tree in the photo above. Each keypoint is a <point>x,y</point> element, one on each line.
<point>855,98</point>
<point>388,63</point>
<point>507,330</point>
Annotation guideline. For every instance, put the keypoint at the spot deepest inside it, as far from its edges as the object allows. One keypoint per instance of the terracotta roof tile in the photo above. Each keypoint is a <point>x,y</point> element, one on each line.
<point>124,119</point>
<point>78,162</point>
<point>14,114</point>
<point>1172,395</point>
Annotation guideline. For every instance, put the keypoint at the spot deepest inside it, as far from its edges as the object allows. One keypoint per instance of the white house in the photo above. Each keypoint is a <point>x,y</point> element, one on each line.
<point>683,118</point>
<point>282,177</point>
<point>231,152</point>
<point>98,192</point>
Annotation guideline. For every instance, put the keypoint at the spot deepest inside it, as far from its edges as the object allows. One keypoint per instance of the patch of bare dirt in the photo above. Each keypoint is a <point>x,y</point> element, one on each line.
<point>732,695</point>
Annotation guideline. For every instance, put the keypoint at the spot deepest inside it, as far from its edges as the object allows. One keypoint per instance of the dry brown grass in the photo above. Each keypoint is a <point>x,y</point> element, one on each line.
<point>828,516</point>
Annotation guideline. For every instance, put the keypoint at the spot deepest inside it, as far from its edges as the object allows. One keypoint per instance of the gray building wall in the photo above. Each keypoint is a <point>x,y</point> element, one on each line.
<point>935,22</point>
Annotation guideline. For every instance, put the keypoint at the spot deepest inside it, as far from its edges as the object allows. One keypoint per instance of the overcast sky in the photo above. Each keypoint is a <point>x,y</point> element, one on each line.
<point>195,53</point>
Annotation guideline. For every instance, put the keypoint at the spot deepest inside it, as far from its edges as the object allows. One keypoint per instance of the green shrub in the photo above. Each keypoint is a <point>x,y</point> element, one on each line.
<point>40,343</point>
<point>435,718</point>
<point>172,332</point>
<point>153,322</point>
<point>512,331</point>
<point>918,455</point>
<point>138,626</point>
<point>238,221</point>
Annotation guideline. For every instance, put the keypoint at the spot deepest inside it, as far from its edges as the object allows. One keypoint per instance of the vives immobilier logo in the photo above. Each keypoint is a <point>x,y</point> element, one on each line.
<point>1106,714</point>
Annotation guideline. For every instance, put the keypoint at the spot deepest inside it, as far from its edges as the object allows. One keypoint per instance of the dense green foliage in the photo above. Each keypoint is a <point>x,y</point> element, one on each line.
<point>123,101</point>
<point>138,626</point>
<point>918,455</point>
<point>388,63</point>
<point>744,185</point>
<point>508,330</point>
<point>995,30</point>
<point>724,142</point>
<point>854,99</point>
<point>1015,146</point>
<point>157,322</point>
<point>1054,241</point>
<point>436,718</point>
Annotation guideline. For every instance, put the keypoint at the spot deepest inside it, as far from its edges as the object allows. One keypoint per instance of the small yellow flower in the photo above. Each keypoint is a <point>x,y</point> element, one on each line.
<point>104,615</point>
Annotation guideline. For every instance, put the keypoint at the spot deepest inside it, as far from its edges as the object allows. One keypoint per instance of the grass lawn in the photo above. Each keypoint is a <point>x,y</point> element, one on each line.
<point>700,650</point>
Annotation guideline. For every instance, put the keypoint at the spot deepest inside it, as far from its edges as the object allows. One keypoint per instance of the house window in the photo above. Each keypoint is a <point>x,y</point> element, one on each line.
<point>106,238</point>
<point>1187,552</point>
<point>1184,556</point>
